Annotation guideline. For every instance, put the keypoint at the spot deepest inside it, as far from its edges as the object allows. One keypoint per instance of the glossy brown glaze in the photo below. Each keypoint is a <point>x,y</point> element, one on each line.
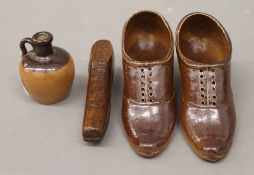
<point>207,107</point>
<point>97,108</point>
<point>148,109</point>
<point>46,72</point>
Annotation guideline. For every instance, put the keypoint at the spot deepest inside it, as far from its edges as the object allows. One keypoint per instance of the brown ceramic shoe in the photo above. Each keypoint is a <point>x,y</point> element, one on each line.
<point>148,109</point>
<point>207,107</point>
<point>97,109</point>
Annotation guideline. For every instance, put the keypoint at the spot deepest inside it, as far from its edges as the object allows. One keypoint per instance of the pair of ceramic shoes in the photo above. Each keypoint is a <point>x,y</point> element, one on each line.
<point>149,108</point>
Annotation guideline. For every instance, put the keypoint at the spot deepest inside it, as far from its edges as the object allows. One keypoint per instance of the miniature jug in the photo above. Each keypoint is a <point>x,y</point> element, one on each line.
<point>47,72</point>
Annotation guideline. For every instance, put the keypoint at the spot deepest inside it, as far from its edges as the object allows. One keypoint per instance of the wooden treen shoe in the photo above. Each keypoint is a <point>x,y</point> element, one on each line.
<point>47,71</point>
<point>97,108</point>
<point>207,106</point>
<point>148,109</point>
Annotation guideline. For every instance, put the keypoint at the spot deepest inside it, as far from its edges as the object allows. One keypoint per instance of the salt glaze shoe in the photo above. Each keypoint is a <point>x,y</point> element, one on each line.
<point>148,109</point>
<point>207,107</point>
<point>97,108</point>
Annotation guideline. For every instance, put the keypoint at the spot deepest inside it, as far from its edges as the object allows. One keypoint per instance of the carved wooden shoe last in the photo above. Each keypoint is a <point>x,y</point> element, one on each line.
<point>97,108</point>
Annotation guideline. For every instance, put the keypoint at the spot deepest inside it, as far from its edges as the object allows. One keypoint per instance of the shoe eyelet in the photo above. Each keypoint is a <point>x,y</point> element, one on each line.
<point>149,68</point>
<point>151,94</point>
<point>214,103</point>
<point>142,70</point>
<point>142,83</point>
<point>143,94</point>
<point>201,82</point>
<point>201,70</point>
<point>201,76</point>
<point>143,100</point>
<point>203,103</point>
<point>150,74</point>
<point>150,88</point>
<point>142,76</point>
<point>213,82</point>
<point>202,95</point>
<point>214,96</point>
<point>150,82</point>
<point>202,89</point>
<point>213,88</point>
<point>142,89</point>
<point>150,100</point>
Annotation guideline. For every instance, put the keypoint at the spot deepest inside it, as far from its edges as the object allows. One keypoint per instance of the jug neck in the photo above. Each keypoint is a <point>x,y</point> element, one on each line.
<point>43,50</point>
<point>42,44</point>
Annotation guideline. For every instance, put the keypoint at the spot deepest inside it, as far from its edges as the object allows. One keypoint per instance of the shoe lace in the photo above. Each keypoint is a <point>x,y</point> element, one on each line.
<point>146,85</point>
<point>207,82</point>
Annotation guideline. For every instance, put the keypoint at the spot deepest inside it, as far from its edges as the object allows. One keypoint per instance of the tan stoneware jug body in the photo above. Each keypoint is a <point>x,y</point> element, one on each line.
<point>47,72</point>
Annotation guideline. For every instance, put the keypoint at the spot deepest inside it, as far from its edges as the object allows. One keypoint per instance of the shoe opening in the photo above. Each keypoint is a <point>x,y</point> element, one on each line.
<point>201,38</point>
<point>147,37</point>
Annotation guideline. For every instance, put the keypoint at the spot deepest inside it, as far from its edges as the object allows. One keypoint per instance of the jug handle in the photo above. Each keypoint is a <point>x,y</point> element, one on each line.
<point>22,45</point>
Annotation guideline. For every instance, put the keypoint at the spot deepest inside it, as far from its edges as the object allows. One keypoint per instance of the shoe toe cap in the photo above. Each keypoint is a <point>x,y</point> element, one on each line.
<point>209,130</point>
<point>212,148</point>
<point>149,127</point>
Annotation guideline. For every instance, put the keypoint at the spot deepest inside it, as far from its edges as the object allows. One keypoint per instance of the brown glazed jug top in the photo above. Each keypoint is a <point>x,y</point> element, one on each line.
<point>201,38</point>
<point>44,57</point>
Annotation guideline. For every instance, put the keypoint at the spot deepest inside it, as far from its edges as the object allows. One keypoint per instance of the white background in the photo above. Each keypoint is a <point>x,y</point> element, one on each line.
<point>43,140</point>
